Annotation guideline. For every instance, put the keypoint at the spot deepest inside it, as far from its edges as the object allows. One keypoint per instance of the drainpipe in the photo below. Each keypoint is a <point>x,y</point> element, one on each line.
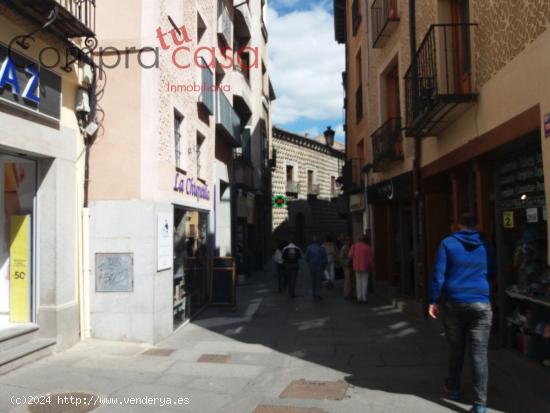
<point>417,162</point>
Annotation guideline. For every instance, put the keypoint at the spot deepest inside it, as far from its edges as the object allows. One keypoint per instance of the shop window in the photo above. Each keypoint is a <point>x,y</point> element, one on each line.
<point>17,197</point>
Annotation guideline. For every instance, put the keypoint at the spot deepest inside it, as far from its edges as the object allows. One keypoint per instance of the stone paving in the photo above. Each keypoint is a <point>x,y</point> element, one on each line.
<point>392,362</point>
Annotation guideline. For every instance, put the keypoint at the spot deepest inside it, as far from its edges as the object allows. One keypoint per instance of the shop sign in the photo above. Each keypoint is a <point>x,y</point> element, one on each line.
<point>393,189</point>
<point>547,125</point>
<point>25,83</point>
<point>165,241</point>
<point>356,202</point>
<point>20,269</point>
<point>532,215</point>
<point>189,187</point>
<point>508,219</point>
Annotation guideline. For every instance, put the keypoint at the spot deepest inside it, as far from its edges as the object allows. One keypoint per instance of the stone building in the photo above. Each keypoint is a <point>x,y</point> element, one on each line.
<point>306,173</point>
<point>462,126</point>
<point>163,181</point>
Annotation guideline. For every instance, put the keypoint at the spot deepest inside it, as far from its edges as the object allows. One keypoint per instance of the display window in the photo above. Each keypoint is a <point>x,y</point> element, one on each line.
<point>191,263</point>
<point>17,203</point>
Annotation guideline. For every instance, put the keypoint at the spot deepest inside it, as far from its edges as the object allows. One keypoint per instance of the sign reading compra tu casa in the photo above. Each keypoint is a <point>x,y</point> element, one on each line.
<point>25,83</point>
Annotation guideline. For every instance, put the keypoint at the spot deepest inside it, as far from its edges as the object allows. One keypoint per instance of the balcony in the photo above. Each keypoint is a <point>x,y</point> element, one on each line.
<point>228,123</point>
<point>292,188</point>
<point>384,21</point>
<point>359,104</point>
<point>206,97</point>
<point>242,93</point>
<point>353,177</point>
<point>439,85</point>
<point>243,18</point>
<point>225,25</point>
<point>387,144</point>
<point>75,18</point>
<point>314,190</point>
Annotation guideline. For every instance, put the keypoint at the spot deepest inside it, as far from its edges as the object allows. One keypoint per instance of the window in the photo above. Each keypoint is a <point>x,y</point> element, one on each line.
<point>333,186</point>
<point>178,120</point>
<point>393,105</point>
<point>200,141</point>
<point>309,182</point>
<point>355,16</point>
<point>359,91</point>
<point>289,173</point>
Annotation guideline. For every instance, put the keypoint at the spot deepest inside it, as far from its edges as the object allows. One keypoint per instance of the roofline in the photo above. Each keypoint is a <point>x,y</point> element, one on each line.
<point>297,139</point>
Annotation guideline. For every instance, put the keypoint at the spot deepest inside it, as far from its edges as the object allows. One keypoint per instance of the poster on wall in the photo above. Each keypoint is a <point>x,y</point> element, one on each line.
<point>20,269</point>
<point>532,215</point>
<point>165,241</point>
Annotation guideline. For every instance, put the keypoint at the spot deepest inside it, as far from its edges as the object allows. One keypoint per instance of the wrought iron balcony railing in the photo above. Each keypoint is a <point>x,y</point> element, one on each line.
<point>314,189</point>
<point>227,120</point>
<point>384,21</point>
<point>71,18</point>
<point>439,84</point>
<point>387,144</point>
<point>292,188</point>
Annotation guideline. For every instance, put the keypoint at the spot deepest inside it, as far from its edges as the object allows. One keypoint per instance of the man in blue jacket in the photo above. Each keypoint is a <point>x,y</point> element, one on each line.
<point>317,260</point>
<point>461,277</point>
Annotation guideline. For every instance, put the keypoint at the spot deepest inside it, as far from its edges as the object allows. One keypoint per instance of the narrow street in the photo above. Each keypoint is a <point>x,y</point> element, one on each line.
<point>392,362</point>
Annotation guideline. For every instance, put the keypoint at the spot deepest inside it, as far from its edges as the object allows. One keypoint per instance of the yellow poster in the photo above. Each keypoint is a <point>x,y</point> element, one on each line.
<point>508,219</point>
<point>20,271</point>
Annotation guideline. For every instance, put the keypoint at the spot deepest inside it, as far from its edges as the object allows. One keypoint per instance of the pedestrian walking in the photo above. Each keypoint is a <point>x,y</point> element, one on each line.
<point>460,276</point>
<point>280,267</point>
<point>316,258</point>
<point>291,258</point>
<point>332,252</point>
<point>362,259</point>
<point>346,264</point>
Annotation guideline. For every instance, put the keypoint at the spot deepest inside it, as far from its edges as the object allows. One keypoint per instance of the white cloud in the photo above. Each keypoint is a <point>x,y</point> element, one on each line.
<point>305,65</point>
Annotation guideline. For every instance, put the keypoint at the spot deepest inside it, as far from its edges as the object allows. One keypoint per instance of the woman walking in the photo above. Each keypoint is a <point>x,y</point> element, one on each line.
<point>332,252</point>
<point>362,258</point>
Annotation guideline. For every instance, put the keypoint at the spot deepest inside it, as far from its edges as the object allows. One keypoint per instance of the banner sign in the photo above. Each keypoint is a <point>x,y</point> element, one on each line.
<point>20,269</point>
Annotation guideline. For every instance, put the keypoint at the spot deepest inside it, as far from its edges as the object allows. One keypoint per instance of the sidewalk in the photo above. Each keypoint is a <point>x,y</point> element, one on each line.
<point>392,362</point>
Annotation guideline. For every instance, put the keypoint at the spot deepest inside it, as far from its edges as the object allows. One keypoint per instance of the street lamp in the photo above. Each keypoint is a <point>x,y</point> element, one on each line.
<point>329,136</point>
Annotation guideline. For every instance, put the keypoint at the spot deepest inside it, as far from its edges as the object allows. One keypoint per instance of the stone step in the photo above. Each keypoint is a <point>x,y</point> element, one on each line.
<point>28,352</point>
<point>16,335</point>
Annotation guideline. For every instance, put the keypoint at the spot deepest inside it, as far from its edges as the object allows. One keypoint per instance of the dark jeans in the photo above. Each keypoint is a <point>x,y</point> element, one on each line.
<point>292,274</point>
<point>281,275</point>
<point>468,324</point>
<point>316,276</point>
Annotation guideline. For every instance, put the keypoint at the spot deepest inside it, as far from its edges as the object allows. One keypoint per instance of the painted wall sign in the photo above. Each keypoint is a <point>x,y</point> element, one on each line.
<point>25,83</point>
<point>189,187</point>
<point>20,269</point>
<point>532,215</point>
<point>165,241</point>
<point>547,125</point>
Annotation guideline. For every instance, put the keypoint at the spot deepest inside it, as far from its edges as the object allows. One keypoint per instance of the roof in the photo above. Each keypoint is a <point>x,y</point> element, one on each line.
<point>306,142</point>
<point>339,146</point>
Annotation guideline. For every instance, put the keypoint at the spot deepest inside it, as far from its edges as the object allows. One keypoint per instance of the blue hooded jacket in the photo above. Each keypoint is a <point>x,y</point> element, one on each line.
<point>462,269</point>
<point>316,257</point>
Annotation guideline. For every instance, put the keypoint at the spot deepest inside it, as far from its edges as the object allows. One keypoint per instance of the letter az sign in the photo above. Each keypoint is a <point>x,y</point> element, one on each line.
<point>9,78</point>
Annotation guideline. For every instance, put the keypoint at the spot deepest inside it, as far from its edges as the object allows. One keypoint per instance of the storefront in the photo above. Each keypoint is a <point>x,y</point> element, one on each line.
<point>17,218</point>
<point>505,189</point>
<point>390,202</point>
<point>192,257</point>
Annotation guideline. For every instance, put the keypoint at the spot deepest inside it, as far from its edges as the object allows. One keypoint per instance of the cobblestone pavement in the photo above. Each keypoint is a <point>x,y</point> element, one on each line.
<point>386,361</point>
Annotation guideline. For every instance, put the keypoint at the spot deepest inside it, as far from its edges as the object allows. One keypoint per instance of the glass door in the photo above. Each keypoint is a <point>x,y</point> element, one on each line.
<point>17,200</point>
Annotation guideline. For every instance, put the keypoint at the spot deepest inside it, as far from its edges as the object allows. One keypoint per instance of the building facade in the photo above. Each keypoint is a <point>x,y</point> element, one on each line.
<point>306,173</point>
<point>42,143</point>
<point>462,126</point>
<point>162,187</point>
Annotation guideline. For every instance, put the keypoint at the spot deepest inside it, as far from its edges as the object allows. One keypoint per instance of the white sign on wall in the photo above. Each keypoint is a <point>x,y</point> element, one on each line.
<point>165,241</point>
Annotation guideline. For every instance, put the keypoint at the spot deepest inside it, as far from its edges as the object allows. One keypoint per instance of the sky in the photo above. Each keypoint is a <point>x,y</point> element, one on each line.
<point>305,65</point>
